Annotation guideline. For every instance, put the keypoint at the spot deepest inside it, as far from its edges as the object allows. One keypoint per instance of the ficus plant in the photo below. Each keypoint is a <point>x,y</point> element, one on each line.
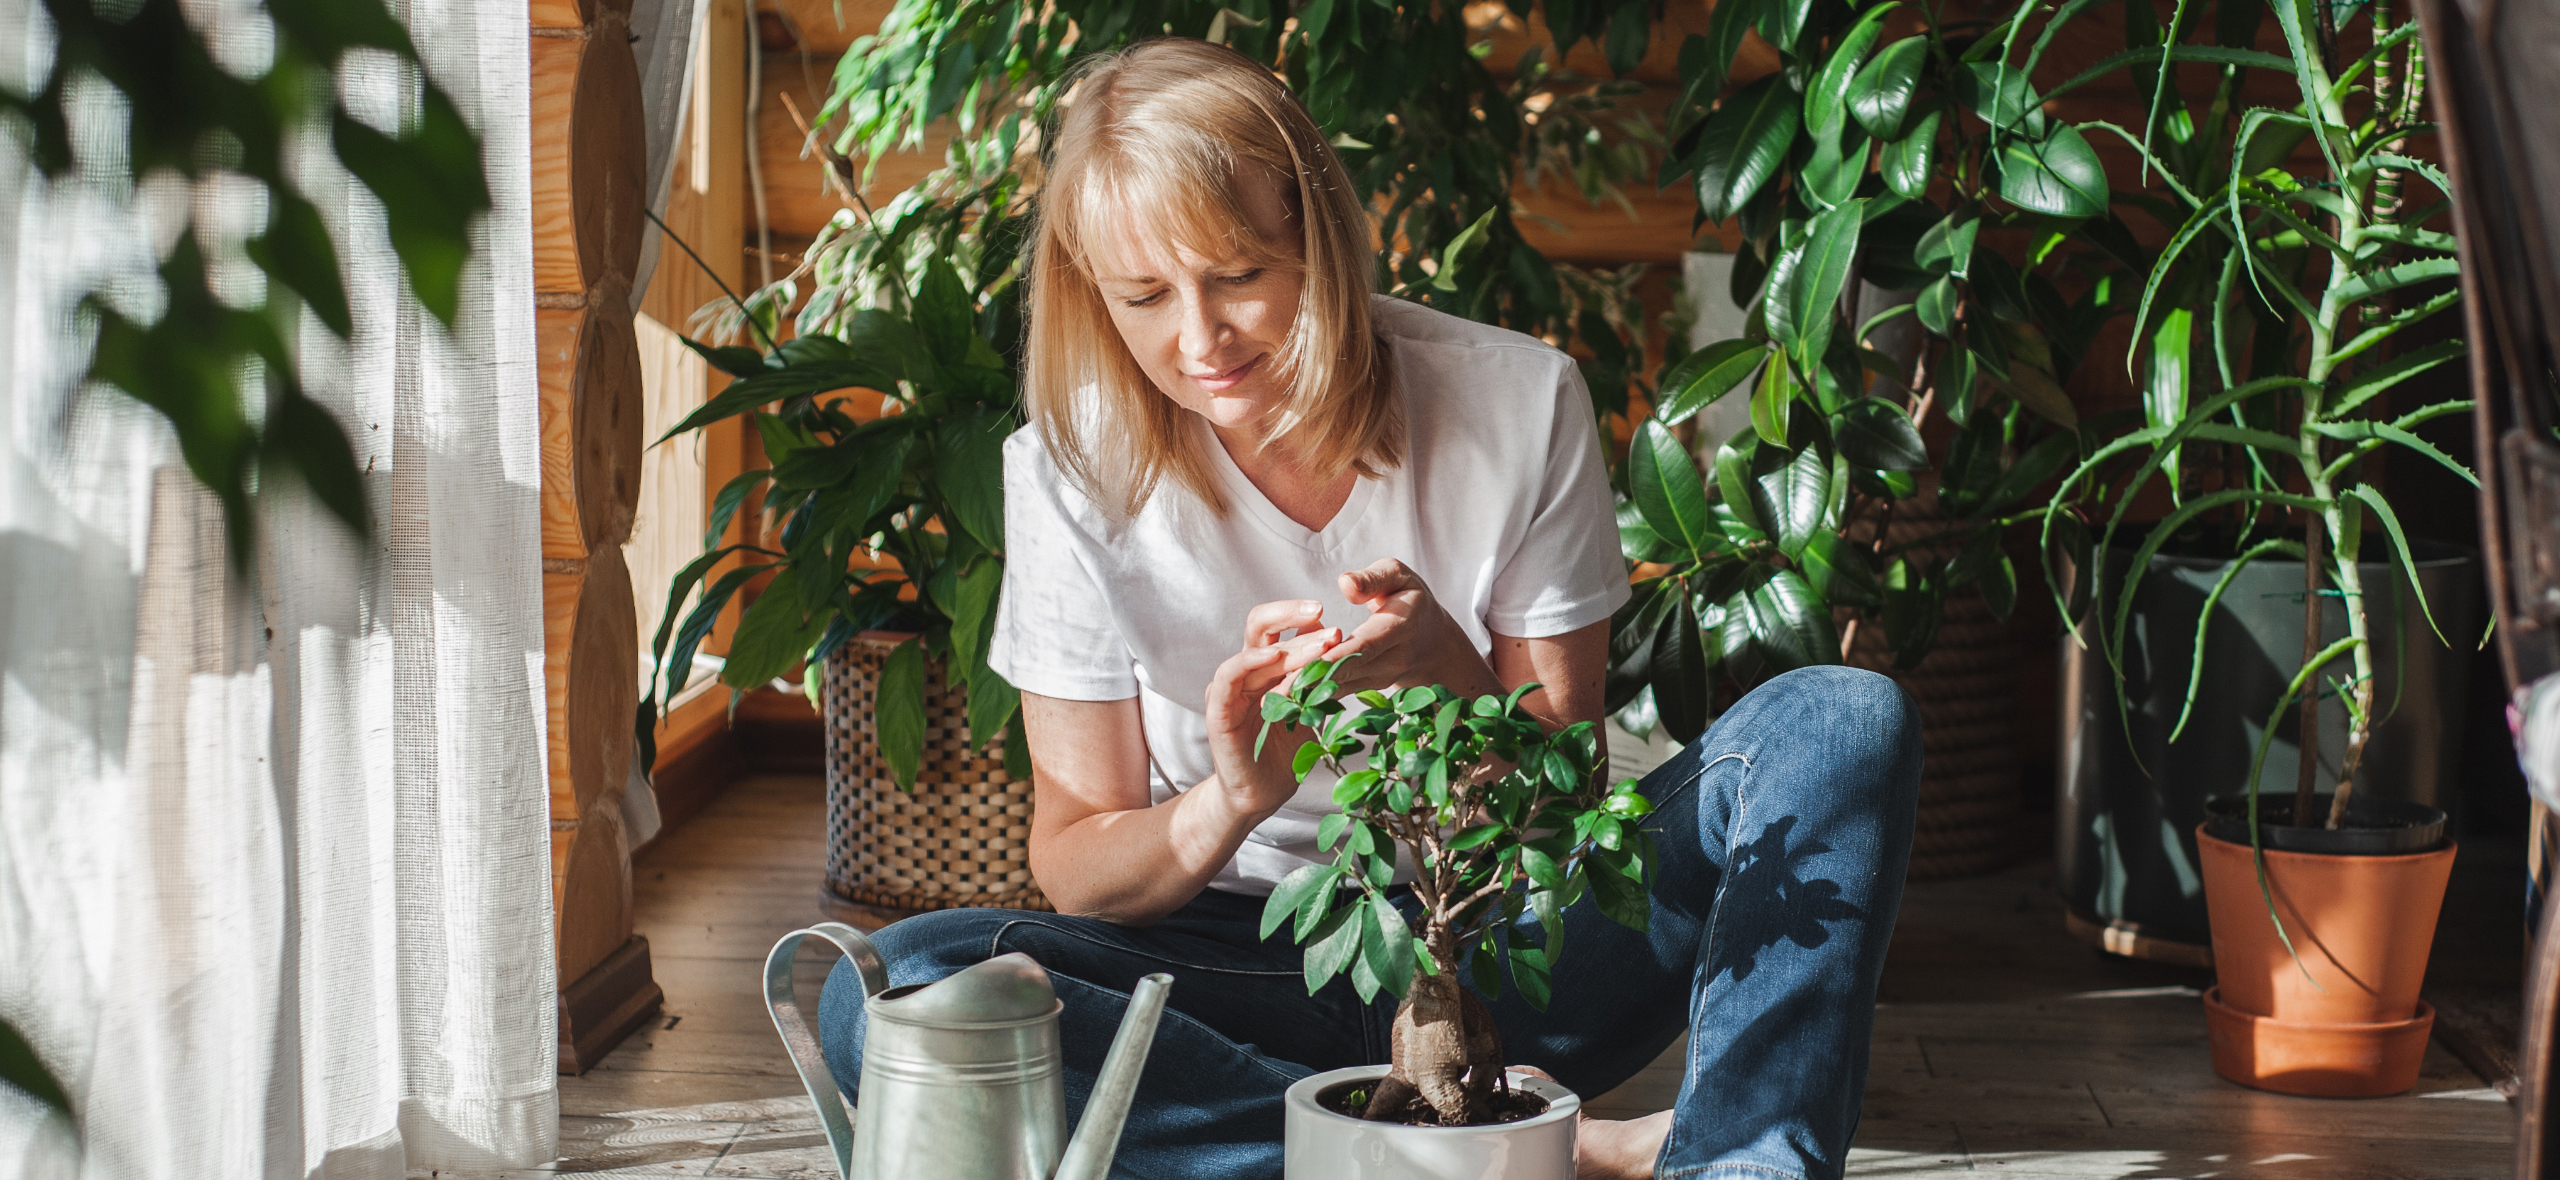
<point>1498,819</point>
<point>1912,163</point>
<point>897,520</point>
<point>2266,357</point>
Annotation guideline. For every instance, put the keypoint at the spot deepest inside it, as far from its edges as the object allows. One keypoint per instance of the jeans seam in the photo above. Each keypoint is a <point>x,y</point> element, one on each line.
<point>1711,1169</point>
<point>995,946</point>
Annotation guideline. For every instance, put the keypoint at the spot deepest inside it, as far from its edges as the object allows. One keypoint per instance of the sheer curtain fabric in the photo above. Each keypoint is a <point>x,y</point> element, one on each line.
<point>275,852</point>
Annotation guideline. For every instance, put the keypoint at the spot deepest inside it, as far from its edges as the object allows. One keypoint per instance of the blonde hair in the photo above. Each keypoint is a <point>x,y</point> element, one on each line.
<point>1173,126</point>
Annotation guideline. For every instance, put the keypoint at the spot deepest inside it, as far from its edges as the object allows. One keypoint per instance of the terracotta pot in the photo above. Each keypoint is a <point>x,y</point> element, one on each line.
<point>2344,1021</point>
<point>1323,1145</point>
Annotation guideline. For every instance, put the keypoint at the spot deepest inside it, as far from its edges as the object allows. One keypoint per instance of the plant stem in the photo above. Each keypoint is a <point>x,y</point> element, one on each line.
<point>2313,530</point>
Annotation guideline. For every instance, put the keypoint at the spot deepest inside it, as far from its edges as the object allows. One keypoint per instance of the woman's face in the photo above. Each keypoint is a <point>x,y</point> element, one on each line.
<point>1207,331</point>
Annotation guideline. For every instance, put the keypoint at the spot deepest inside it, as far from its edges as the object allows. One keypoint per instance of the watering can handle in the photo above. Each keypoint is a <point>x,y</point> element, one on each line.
<point>806,1056</point>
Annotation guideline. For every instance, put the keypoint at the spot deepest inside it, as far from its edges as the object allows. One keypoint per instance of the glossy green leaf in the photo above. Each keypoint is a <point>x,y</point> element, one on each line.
<point>1334,945</point>
<point>1880,95</point>
<point>1947,247</point>
<point>1825,100</point>
<point>1908,162</point>
<point>1783,22</point>
<point>1706,375</point>
<point>1874,432</point>
<point>970,452</point>
<point>1811,291</point>
<point>943,315</point>
<point>1743,143</point>
<point>2058,176</point>
<point>1936,307</point>
<point>1307,887</point>
<point>1667,488</point>
<point>1791,492</point>
<point>1787,621</point>
<point>993,704</point>
<point>1998,92</point>
<point>1773,403</point>
<point>1838,165</point>
<point>1840,573</point>
<point>1392,956</point>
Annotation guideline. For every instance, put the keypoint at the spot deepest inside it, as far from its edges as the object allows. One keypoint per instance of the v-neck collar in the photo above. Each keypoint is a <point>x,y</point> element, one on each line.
<point>1241,493</point>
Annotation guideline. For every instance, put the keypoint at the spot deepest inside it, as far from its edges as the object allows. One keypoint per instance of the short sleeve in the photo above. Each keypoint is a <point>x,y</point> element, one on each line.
<point>1568,571</point>
<point>1054,632</point>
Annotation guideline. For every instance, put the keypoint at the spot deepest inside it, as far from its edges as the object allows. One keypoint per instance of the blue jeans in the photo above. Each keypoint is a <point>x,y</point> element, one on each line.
<point>1782,835</point>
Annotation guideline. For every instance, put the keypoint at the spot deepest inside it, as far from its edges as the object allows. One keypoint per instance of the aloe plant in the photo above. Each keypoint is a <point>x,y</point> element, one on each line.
<point>1882,162</point>
<point>1499,818</point>
<point>2265,333</point>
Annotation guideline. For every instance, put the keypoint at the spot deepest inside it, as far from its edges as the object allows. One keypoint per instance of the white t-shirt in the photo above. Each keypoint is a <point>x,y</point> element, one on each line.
<point>1502,505</point>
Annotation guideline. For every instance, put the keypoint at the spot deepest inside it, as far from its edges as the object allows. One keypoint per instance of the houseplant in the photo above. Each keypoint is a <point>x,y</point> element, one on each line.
<point>1890,163</point>
<point>2323,907</point>
<point>1499,819</point>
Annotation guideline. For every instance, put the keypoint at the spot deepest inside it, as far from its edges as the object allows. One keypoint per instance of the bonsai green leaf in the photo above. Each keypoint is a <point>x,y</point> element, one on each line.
<point>1486,966</point>
<point>1335,944</point>
<point>1838,571</point>
<point>1907,162</point>
<point>1811,291</point>
<point>970,454</point>
<point>1743,143</point>
<point>1305,760</point>
<point>1706,375</point>
<point>20,1067</point>
<point>1530,974</point>
<point>1306,889</point>
<point>2365,385</point>
<point>1622,898</point>
<point>1947,247</point>
<point>1874,432</point>
<point>1667,488</point>
<point>993,701</point>
<point>1329,829</point>
<point>898,704</point>
<point>2400,546</point>
<point>1825,100</point>
<point>2204,620</point>
<point>1392,958</point>
<point>1880,95</point>
<point>2058,176</point>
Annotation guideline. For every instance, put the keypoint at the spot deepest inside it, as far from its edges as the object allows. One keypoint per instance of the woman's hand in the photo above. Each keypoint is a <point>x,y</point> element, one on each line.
<point>1408,639</point>
<point>1257,786</point>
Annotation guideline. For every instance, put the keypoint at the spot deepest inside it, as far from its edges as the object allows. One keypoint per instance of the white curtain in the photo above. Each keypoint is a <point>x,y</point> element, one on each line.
<point>275,852</point>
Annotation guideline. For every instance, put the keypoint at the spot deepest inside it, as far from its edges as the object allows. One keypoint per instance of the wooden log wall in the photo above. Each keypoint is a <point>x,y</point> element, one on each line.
<point>588,193</point>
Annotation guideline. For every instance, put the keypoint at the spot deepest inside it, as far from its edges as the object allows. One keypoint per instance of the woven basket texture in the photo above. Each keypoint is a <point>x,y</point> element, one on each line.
<point>1966,690</point>
<point>961,839</point>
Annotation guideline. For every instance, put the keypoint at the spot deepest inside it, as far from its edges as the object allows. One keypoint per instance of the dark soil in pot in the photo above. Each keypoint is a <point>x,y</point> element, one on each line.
<point>1509,1106</point>
<point>2373,827</point>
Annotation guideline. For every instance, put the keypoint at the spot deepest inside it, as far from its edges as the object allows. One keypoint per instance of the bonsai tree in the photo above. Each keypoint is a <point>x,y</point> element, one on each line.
<point>1794,522</point>
<point>1498,819</point>
<point>2299,282</point>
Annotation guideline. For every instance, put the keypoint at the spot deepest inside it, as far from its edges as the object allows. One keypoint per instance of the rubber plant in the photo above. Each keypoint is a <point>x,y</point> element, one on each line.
<point>185,113</point>
<point>1499,818</point>
<point>2266,332</point>
<point>1885,162</point>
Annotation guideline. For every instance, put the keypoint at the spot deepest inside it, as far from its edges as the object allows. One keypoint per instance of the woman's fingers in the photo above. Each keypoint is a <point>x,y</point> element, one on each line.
<point>1382,577</point>
<point>1272,618</point>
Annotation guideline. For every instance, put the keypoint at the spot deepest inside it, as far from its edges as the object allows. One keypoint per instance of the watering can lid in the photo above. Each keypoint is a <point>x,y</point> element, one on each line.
<point>1007,987</point>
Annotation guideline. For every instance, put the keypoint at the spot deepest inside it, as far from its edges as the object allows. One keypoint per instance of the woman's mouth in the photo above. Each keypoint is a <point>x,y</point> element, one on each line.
<point>1228,378</point>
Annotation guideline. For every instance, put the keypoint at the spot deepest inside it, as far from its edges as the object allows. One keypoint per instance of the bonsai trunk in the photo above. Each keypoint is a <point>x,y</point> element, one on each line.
<point>1444,1052</point>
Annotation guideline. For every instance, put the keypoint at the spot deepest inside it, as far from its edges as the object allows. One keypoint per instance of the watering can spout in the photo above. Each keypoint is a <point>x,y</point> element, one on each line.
<point>1098,1136</point>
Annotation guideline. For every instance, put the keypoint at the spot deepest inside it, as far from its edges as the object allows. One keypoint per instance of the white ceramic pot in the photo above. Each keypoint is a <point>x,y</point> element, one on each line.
<point>1322,1145</point>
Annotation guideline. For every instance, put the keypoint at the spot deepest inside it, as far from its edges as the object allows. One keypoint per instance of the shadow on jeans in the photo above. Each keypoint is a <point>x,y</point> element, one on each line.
<point>1769,901</point>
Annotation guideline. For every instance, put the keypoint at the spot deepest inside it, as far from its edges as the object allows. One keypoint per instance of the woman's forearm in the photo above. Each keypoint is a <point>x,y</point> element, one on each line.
<point>1134,867</point>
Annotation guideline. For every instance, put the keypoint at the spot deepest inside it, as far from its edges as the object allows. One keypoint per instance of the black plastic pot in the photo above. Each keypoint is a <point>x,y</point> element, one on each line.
<point>2129,799</point>
<point>2373,827</point>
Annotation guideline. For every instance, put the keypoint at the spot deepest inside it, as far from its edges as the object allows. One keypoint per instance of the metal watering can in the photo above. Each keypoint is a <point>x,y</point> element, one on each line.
<point>960,1079</point>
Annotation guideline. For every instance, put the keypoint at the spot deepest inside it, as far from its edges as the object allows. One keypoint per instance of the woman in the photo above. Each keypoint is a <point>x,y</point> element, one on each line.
<point>1241,460</point>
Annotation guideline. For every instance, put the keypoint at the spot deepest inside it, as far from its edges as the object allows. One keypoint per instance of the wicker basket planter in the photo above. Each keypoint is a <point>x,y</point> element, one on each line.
<point>1966,689</point>
<point>961,839</point>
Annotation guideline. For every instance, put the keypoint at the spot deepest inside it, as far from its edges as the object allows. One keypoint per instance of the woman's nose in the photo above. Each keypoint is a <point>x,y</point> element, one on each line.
<point>1204,328</point>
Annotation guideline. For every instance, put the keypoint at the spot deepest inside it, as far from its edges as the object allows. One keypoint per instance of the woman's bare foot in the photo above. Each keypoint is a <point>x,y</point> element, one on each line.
<point>1606,1149</point>
<point>1613,1149</point>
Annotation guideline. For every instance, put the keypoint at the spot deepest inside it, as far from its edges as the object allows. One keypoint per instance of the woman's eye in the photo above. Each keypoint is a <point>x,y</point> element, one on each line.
<point>1246,277</point>
<point>1148,301</point>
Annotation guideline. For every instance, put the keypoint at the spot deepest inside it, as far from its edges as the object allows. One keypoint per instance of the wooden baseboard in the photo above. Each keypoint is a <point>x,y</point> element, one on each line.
<point>608,1003</point>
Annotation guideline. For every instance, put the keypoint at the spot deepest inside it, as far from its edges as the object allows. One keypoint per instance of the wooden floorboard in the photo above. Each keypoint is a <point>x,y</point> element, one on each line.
<point>2001,1046</point>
